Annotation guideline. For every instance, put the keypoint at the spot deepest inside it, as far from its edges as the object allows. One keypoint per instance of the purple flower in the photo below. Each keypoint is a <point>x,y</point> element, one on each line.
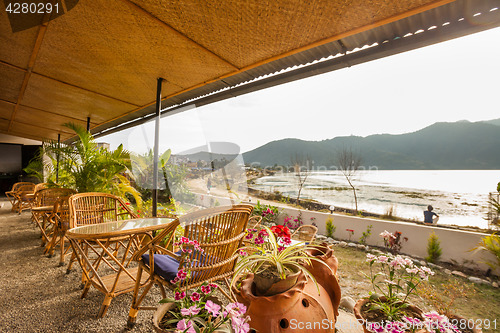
<point>213,308</point>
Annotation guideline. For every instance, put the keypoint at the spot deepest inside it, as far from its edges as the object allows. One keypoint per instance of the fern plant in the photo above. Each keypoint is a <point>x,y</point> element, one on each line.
<point>434,250</point>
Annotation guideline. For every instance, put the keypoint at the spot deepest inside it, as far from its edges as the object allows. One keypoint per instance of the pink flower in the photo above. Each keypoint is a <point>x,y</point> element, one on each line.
<point>286,241</point>
<point>195,297</point>
<point>259,240</point>
<point>213,285</point>
<point>236,309</point>
<point>433,315</point>
<point>370,257</point>
<point>191,311</point>
<point>181,275</point>
<point>243,253</point>
<point>375,327</point>
<point>206,289</point>
<point>184,325</point>
<point>240,324</point>
<point>249,236</point>
<point>179,295</point>
<point>382,259</point>
<point>213,308</point>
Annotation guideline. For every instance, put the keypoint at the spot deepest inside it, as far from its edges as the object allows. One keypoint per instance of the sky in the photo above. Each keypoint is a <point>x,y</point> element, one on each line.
<point>447,82</point>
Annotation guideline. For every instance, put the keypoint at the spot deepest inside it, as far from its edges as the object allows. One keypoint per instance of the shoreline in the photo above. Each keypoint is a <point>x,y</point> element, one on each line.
<point>313,205</point>
<point>277,199</point>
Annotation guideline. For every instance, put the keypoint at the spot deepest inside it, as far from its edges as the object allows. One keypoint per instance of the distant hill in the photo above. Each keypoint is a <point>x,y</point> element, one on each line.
<point>460,145</point>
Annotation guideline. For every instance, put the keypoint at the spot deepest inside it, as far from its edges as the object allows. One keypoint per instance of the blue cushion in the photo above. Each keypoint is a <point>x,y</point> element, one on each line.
<point>165,265</point>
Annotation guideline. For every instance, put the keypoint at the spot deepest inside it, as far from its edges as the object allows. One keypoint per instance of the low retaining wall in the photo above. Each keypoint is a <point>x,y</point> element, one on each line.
<point>455,244</point>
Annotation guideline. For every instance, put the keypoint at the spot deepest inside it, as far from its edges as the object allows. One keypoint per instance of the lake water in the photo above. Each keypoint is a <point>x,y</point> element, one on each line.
<point>459,197</point>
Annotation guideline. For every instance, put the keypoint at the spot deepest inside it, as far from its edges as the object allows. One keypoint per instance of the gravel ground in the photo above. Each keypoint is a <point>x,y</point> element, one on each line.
<point>38,296</point>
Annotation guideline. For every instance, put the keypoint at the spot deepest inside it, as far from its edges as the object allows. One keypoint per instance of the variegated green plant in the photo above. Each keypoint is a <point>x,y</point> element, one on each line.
<point>269,251</point>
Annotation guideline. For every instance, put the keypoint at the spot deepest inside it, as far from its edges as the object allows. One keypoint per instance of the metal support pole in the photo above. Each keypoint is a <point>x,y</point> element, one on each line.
<point>88,124</point>
<point>157,142</point>
<point>58,155</point>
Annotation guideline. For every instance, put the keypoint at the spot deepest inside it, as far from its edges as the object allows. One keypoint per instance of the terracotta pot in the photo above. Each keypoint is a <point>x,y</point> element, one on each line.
<point>359,314</point>
<point>164,308</point>
<point>326,275</point>
<point>264,286</point>
<point>300,308</point>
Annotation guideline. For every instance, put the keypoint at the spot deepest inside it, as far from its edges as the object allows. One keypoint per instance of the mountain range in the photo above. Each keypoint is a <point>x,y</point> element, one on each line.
<point>461,145</point>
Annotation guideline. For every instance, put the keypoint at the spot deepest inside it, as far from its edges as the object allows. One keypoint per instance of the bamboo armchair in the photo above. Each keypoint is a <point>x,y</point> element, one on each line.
<point>305,233</point>
<point>60,222</point>
<point>43,206</point>
<point>93,208</point>
<point>24,197</point>
<point>219,231</point>
<point>11,195</point>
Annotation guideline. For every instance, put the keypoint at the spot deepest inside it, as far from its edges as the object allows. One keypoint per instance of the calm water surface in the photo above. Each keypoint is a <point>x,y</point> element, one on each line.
<point>459,196</point>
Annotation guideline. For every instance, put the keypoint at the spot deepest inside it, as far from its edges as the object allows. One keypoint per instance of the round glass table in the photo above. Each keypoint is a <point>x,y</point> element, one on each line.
<point>104,252</point>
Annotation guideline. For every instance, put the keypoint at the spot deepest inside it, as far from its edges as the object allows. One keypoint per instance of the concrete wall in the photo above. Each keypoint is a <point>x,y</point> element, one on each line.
<point>455,244</point>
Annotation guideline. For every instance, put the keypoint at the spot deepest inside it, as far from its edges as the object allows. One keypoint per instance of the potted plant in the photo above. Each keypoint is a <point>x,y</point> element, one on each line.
<point>273,280</point>
<point>392,284</point>
<point>197,311</point>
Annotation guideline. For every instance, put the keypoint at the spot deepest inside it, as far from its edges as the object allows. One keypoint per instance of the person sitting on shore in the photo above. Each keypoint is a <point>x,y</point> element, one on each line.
<point>429,216</point>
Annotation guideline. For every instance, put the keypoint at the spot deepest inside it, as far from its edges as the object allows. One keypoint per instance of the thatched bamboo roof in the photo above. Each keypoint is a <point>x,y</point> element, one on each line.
<point>101,58</point>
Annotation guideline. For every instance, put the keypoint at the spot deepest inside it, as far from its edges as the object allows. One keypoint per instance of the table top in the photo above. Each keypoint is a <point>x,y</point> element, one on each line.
<point>43,208</point>
<point>119,228</point>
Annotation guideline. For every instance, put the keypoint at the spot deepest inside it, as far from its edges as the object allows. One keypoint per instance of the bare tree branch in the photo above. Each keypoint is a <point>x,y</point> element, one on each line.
<point>302,168</point>
<point>349,164</point>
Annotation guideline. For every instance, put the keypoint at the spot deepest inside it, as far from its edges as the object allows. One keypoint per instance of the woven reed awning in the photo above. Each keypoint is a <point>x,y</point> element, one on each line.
<point>101,59</point>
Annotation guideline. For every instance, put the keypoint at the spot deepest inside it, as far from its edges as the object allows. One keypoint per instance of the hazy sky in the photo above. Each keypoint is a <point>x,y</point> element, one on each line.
<point>450,81</point>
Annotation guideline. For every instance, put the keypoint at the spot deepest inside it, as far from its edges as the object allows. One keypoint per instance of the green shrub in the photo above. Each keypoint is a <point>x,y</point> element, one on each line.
<point>330,228</point>
<point>434,250</point>
<point>268,213</point>
<point>366,234</point>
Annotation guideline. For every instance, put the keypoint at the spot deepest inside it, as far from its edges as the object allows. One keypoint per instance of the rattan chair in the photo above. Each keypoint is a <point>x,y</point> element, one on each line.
<point>305,233</point>
<point>42,208</point>
<point>24,197</point>
<point>219,232</point>
<point>94,208</point>
<point>59,220</point>
<point>11,195</point>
